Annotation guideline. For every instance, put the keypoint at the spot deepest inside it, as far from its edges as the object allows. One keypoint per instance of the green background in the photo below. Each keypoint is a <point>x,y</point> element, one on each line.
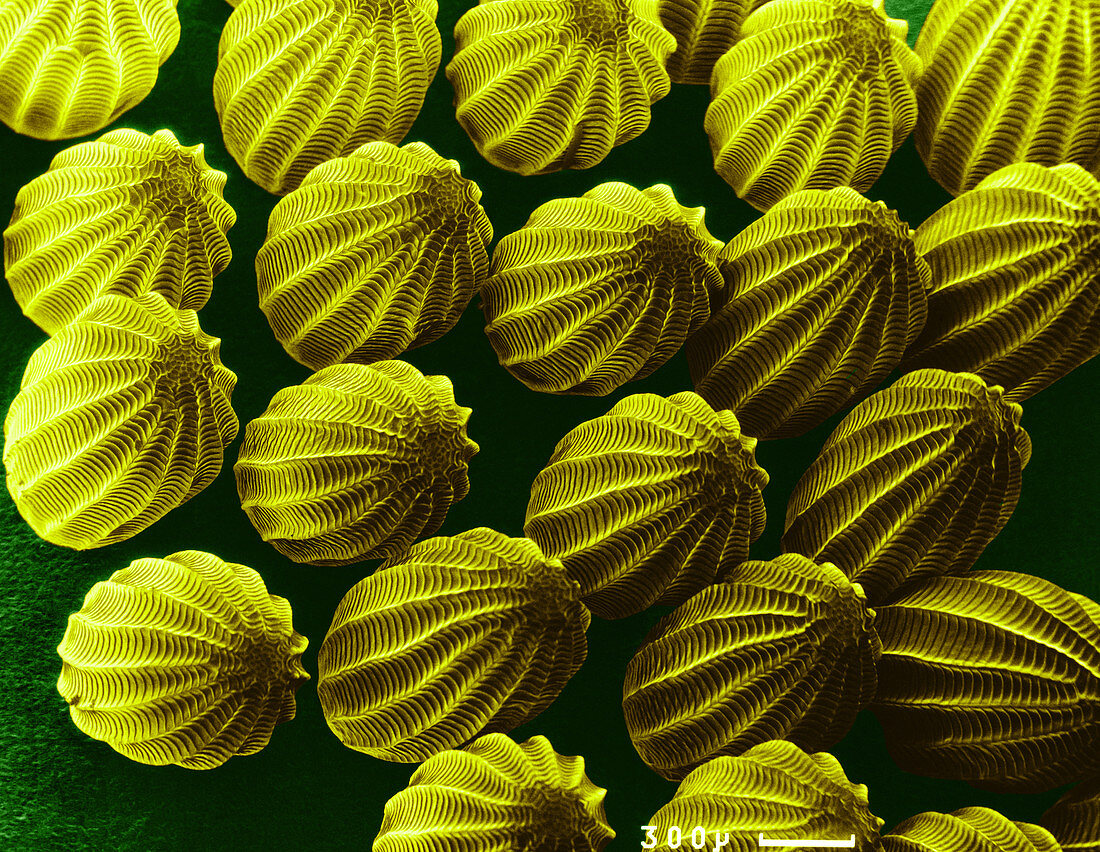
<point>60,789</point>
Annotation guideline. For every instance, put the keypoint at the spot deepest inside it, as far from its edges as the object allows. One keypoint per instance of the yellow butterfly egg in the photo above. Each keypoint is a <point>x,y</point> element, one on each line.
<point>122,416</point>
<point>184,660</point>
<point>126,214</point>
<point>355,463</point>
<point>497,796</point>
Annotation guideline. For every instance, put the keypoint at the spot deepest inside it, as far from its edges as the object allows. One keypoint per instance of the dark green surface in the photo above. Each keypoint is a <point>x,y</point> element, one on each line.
<point>60,789</point>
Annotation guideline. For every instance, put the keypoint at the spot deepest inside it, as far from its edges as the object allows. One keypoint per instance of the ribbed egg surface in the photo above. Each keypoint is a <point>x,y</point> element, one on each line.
<point>122,416</point>
<point>126,214</point>
<point>462,635</point>
<point>1015,291</point>
<point>596,291</point>
<point>542,85</point>
<point>355,463</point>
<point>300,82</point>
<point>784,649</point>
<point>71,67</point>
<point>184,660</point>
<point>915,481</point>
<point>774,789</point>
<point>993,678</point>
<point>1007,81</point>
<point>704,30</point>
<point>814,94</point>
<point>495,795</point>
<point>824,293</point>
<point>970,829</point>
<point>647,503</point>
<point>375,253</point>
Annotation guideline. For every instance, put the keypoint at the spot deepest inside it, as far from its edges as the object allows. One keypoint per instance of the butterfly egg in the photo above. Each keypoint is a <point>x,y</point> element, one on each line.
<point>299,83</point>
<point>914,482</point>
<point>70,69</point>
<point>1007,81</point>
<point>125,214</point>
<point>774,789</point>
<point>375,253</point>
<point>122,416</point>
<point>815,94</point>
<point>825,291</point>
<point>991,677</point>
<point>967,830</point>
<point>462,635</point>
<point>784,649</point>
<point>704,31</point>
<point>1014,263</point>
<point>185,660</point>
<point>497,796</point>
<point>355,463</point>
<point>1074,819</point>
<point>646,503</point>
<point>596,291</point>
<point>542,85</point>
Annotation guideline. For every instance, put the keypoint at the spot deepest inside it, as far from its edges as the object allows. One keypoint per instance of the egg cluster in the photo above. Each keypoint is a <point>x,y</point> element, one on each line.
<point>377,247</point>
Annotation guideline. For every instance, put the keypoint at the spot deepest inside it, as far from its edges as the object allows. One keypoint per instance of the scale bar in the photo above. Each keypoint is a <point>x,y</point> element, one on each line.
<point>850,843</point>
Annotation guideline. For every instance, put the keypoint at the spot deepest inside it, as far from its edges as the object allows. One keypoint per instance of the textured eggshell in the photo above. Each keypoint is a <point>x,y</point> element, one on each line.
<point>184,660</point>
<point>1074,819</point>
<point>462,635</point>
<point>71,68</point>
<point>1015,291</point>
<point>596,291</point>
<point>779,650</point>
<point>704,31</point>
<point>645,503</point>
<point>992,678</point>
<point>967,830</point>
<point>542,85</point>
<point>815,94</point>
<point>774,789</point>
<point>355,463</point>
<point>122,416</point>
<point>126,214</point>
<point>916,481</point>
<point>300,82</point>
<point>497,796</point>
<point>825,291</point>
<point>375,253</point>
<point>1007,81</point>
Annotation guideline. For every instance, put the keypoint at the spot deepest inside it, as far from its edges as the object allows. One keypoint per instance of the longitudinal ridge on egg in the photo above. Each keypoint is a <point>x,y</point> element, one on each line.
<point>1007,81</point>
<point>357,462</point>
<point>71,68</point>
<point>775,789</point>
<point>1015,290</point>
<point>496,795</point>
<point>646,503</point>
<point>992,677</point>
<point>914,482</point>
<point>814,94</point>
<point>596,291</point>
<point>972,829</point>
<point>784,649</point>
<point>824,293</point>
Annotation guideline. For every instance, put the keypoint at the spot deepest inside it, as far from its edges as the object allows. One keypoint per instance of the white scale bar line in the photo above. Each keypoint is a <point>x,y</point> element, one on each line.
<point>850,843</point>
